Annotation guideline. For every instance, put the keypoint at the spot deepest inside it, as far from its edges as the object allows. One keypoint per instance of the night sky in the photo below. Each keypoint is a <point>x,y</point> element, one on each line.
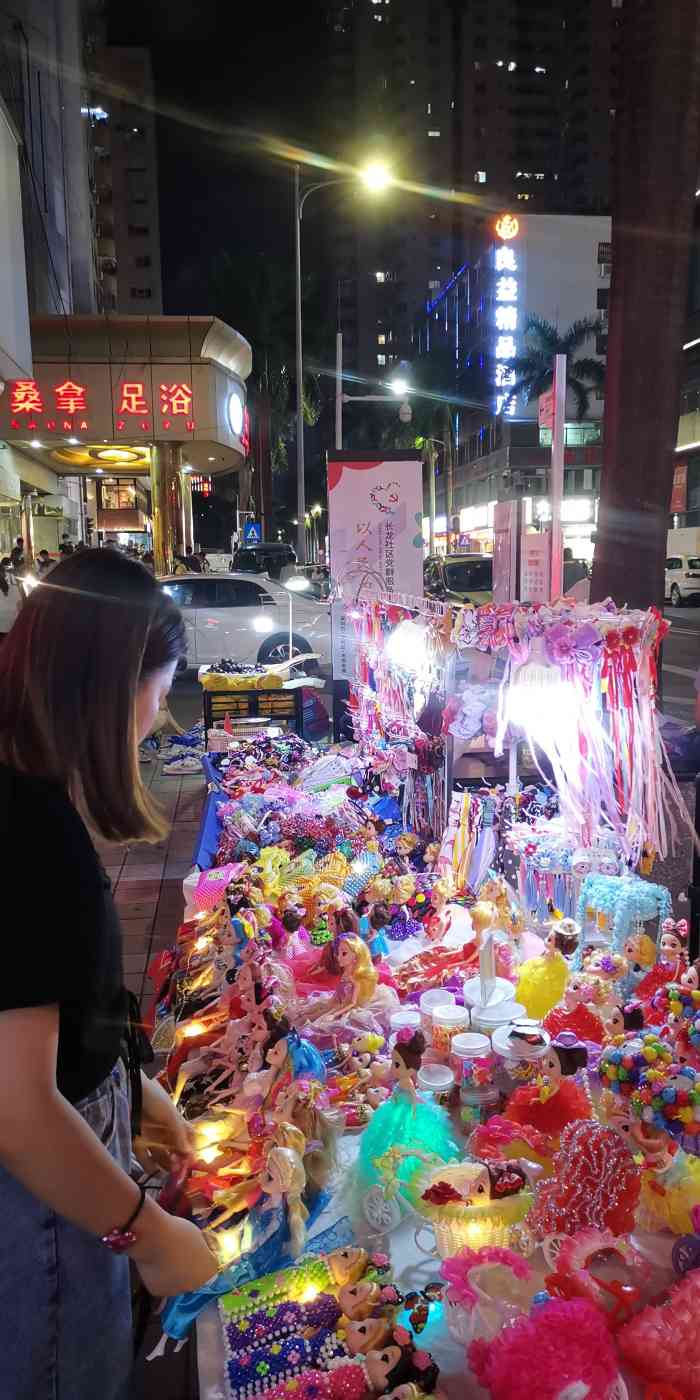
<point>219,70</point>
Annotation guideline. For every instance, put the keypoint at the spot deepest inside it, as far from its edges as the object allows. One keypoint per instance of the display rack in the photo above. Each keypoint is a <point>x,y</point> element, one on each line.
<point>281,707</point>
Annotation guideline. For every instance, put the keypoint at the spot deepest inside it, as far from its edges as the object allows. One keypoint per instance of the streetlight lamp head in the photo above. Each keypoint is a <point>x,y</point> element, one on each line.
<point>316,510</point>
<point>297,583</point>
<point>400,387</point>
<point>376,176</point>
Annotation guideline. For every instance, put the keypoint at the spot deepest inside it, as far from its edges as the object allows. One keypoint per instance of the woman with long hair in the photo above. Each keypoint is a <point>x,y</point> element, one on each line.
<point>84,669</point>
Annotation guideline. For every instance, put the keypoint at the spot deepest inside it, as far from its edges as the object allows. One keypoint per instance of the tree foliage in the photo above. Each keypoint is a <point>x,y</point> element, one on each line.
<point>534,369</point>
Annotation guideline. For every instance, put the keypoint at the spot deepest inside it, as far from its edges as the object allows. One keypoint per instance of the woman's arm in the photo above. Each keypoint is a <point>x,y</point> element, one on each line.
<point>49,1148</point>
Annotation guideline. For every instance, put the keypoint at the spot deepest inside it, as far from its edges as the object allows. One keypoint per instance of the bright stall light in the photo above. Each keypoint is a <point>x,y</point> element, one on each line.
<point>406,646</point>
<point>400,387</point>
<point>35,443</point>
<point>297,583</point>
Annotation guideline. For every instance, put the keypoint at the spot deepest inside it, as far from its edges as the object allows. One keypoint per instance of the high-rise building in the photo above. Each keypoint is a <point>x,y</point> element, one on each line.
<point>506,102</point>
<point>123,128</point>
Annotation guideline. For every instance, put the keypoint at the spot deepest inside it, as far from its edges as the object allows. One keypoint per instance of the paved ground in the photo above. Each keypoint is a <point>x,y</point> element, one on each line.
<point>681,660</point>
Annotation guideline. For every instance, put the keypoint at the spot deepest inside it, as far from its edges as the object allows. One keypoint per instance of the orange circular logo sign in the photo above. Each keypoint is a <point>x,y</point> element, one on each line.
<point>507,226</point>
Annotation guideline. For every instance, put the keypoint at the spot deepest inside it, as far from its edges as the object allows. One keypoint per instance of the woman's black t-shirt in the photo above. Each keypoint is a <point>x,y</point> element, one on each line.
<point>61,937</point>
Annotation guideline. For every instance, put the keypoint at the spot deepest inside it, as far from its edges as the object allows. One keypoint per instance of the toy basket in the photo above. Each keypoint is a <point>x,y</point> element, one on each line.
<point>457,1224</point>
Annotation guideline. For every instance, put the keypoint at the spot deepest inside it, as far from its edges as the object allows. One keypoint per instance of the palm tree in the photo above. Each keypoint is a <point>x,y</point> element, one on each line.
<point>534,369</point>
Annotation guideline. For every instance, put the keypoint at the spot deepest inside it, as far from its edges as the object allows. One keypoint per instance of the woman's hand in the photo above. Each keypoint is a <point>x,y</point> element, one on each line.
<point>164,1132</point>
<point>173,1257</point>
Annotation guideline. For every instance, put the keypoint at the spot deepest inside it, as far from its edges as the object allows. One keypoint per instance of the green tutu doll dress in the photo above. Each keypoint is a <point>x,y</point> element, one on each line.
<point>404,1121</point>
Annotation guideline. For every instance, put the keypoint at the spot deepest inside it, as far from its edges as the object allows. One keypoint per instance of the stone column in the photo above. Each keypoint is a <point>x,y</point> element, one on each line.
<point>165,464</point>
<point>187,517</point>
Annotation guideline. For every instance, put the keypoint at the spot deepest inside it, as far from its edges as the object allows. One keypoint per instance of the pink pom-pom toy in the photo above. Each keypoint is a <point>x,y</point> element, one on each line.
<point>561,1344</point>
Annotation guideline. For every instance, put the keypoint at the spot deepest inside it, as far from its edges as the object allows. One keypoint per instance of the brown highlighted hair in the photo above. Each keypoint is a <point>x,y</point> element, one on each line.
<point>88,634</point>
<point>411,1051</point>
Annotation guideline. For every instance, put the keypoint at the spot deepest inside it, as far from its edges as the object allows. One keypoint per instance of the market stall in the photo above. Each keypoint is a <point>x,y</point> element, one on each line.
<point>436,1028</point>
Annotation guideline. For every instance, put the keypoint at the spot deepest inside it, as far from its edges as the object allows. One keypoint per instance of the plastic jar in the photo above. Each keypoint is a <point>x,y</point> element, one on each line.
<point>448,1021</point>
<point>466,1049</point>
<point>437,996</point>
<point>408,1016</point>
<point>478,1104</point>
<point>435,1080</point>
<point>487,1019</point>
<point>518,1059</point>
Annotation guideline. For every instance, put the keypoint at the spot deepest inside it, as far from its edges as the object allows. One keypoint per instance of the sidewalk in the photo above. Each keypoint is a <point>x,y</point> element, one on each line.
<point>147,880</point>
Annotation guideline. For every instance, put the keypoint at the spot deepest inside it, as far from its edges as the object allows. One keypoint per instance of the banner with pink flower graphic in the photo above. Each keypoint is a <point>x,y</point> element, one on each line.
<point>375,532</point>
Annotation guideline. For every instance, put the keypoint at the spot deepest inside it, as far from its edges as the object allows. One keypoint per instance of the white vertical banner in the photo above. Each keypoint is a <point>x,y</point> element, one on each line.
<point>535,566</point>
<point>505,551</point>
<point>375,518</point>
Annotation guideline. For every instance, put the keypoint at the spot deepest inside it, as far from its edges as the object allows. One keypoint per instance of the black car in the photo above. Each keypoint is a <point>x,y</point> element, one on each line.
<point>268,557</point>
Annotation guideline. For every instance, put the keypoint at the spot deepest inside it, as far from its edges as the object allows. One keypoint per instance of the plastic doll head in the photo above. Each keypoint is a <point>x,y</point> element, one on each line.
<point>691,976</point>
<point>581,862</point>
<point>283,1173</point>
<point>347,1264</point>
<point>343,921</point>
<point>484,915</point>
<point>399,1366</point>
<point>673,941</point>
<point>276,1054</point>
<point>292,918</point>
<point>408,1051</point>
<point>359,1299</point>
<point>369,1332</point>
<point>640,949</point>
<point>380,915</point>
<point>355,962</point>
<point>563,936</point>
<point>570,1054</point>
<point>305,1059</point>
<point>627,1018</point>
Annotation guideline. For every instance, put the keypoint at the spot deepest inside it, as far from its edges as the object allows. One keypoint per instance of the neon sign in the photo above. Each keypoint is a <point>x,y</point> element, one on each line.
<point>25,398</point>
<point>507,226</point>
<point>71,398</point>
<point>175,399</point>
<point>505,316</point>
<point>133,400</point>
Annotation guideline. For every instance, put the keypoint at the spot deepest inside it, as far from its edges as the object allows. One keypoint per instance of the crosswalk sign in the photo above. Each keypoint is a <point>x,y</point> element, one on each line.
<point>252,533</point>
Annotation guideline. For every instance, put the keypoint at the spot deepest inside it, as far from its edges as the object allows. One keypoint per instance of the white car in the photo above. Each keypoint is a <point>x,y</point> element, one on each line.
<point>682,578</point>
<point>246,617</point>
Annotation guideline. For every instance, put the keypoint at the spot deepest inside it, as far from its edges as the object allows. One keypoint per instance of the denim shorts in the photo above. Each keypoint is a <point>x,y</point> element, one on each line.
<point>65,1304</point>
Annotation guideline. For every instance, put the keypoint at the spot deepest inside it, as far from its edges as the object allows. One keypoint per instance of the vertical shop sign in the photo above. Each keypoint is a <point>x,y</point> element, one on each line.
<point>679,490</point>
<point>375,514</point>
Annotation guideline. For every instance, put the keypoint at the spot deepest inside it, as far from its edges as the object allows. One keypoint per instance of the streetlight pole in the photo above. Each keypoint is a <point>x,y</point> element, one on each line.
<point>301,493</point>
<point>376,177</point>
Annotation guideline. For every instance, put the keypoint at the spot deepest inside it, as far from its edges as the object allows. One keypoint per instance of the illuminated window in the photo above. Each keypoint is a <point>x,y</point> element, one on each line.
<point>433,133</point>
<point>540,70</point>
<point>202,484</point>
<point>381,359</point>
<point>512,66</point>
<point>434,284</point>
<point>381,339</point>
<point>380,276</point>
<point>523,196</point>
<point>430,109</point>
<point>479,177</point>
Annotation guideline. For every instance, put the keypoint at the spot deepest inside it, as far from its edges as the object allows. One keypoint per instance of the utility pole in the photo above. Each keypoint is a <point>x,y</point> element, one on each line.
<point>301,492</point>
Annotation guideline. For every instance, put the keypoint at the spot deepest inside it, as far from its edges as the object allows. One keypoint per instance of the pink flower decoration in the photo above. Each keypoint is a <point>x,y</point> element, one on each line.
<point>402,1336</point>
<point>405,1035</point>
<point>421,1360</point>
